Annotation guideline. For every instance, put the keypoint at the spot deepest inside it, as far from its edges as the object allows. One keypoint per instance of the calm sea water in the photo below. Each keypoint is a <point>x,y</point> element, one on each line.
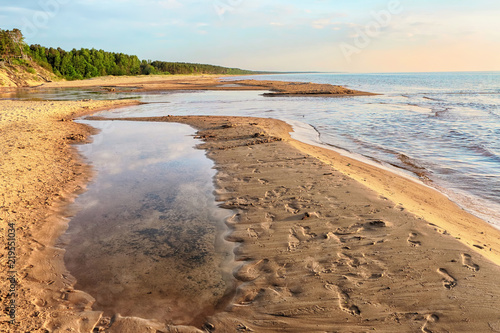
<point>445,127</point>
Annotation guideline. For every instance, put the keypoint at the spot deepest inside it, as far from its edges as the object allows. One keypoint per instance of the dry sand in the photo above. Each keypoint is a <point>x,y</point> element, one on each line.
<point>324,243</point>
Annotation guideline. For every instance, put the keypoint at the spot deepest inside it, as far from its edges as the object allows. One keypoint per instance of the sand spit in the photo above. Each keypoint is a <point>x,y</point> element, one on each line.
<point>157,83</point>
<point>321,251</point>
<point>280,88</point>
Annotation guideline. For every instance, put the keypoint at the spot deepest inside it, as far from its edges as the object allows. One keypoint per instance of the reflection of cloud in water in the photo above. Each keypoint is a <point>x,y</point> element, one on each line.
<point>192,196</point>
<point>116,153</point>
<point>147,224</point>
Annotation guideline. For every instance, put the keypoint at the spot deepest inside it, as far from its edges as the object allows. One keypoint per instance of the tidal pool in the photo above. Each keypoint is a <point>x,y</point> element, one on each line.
<point>146,240</point>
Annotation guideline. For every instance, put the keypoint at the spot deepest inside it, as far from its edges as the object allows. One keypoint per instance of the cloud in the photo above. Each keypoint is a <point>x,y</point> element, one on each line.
<point>328,20</point>
<point>325,23</point>
<point>321,23</point>
<point>18,10</point>
<point>170,4</point>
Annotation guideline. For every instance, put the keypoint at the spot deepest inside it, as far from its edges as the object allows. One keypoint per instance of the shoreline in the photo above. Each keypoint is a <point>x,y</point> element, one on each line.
<point>275,228</point>
<point>409,173</point>
<point>41,173</point>
<point>158,83</point>
<point>305,247</point>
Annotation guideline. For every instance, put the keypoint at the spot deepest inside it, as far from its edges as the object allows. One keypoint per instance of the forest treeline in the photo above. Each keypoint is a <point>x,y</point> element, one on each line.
<point>88,63</point>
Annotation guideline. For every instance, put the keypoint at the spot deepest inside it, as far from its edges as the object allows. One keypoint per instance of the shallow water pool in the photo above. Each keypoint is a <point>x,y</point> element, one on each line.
<point>146,240</point>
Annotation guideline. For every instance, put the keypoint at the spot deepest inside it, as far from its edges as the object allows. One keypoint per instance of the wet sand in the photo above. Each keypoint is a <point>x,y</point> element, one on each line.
<point>156,83</point>
<point>323,243</point>
<point>327,243</point>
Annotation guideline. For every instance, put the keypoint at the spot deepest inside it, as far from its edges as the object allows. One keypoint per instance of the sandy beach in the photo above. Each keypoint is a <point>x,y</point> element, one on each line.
<point>323,243</point>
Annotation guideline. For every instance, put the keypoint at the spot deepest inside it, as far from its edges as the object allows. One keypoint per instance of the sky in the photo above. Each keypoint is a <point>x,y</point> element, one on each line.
<point>274,35</point>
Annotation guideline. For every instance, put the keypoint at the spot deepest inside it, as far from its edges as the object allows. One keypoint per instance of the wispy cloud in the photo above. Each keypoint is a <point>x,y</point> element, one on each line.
<point>15,10</point>
<point>272,29</point>
<point>170,4</point>
<point>325,23</point>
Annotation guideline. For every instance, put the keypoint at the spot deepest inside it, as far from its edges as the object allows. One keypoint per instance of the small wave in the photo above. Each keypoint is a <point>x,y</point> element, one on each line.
<point>415,107</point>
<point>412,165</point>
<point>407,163</point>
<point>473,93</point>
<point>433,99</point>
<point>441,113</point>
<point>483,151</point>
<point>494,111</point>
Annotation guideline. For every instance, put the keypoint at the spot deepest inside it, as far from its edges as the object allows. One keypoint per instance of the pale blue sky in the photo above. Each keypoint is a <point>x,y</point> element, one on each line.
<point>286,35</point>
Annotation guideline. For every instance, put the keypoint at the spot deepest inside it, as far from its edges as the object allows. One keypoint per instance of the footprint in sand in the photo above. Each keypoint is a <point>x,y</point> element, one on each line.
<point>412,239</point>
<point>302,233</point>
<point>298,235</point>
<point>375,224</point>
<point>449,281</point>
<point>294,209</point>
<point>345,302</point>
<point>438,229</point>
<point>246,293</point>
<point>270,217</point>
<point>261,229</point>
<point>467,262</point>
<point>431,318</point>
<point>349,260</point>
<point>249,271</point>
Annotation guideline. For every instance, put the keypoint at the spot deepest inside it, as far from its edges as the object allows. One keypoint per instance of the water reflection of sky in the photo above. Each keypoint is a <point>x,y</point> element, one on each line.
<point>136,146</point>
<point>146,236</point>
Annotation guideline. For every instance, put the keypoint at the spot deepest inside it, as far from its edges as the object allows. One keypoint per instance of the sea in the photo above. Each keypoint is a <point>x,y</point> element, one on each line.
<point>440,128</point>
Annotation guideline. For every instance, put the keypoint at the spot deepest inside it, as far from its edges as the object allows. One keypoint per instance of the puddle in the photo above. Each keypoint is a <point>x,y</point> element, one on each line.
<point>147,238</point>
